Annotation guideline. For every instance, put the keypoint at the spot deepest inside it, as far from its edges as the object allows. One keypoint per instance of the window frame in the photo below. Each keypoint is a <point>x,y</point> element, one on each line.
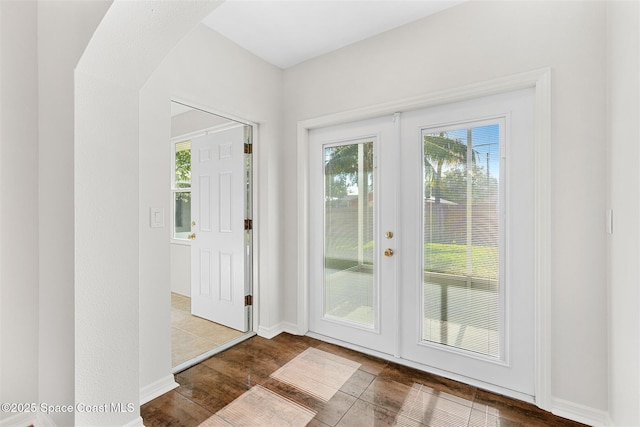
<point>175,189</point>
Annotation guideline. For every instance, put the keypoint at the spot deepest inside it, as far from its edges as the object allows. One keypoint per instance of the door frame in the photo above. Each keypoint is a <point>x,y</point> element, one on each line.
<point>538,79</point>
<point>255,208</point>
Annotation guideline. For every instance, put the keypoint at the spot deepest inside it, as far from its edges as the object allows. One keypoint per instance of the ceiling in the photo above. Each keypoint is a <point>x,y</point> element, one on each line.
<point>288,32</point>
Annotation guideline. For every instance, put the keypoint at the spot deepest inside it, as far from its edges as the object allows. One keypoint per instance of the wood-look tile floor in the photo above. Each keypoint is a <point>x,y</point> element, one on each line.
<point>296,381</point>
<point>192,336</point>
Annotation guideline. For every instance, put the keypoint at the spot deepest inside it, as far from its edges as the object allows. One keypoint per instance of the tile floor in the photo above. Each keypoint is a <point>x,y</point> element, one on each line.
<point>297,381</point>
<point>192,336</point>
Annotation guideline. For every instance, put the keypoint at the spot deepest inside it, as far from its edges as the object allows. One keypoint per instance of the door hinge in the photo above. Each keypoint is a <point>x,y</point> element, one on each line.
<point>248,224</point>
<point>248,148</point>
<point>248,300</point>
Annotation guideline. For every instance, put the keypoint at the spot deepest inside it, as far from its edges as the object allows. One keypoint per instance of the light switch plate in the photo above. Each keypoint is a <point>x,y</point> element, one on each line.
<point>156,217</point>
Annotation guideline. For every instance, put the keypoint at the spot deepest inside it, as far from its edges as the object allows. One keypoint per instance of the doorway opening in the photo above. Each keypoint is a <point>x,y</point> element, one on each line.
<point>211,233</point>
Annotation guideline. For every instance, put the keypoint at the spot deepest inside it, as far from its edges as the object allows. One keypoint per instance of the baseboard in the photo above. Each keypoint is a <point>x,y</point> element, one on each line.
<point>44,420</point>
<point>134,423</point>
<point>20,420</point>
<point>580,413</point>
<point>290,328</point>
<point>157,388</point>
<point>25,419</point>
<point>272,331</point>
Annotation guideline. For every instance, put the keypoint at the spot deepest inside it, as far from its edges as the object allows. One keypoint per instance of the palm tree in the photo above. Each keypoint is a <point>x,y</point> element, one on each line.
<point>343,165</point>
<point>440,151</point>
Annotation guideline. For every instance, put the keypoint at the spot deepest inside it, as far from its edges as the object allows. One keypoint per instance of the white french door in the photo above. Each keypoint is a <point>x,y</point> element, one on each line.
<point>426,253</point>
<point>353,290</point>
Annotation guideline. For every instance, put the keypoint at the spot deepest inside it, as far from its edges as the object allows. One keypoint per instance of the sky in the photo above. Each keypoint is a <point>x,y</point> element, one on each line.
<point>485,140</point>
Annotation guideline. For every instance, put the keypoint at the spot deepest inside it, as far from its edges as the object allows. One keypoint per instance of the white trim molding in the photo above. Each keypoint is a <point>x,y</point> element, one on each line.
<point>157,388</point>
<point>20,420</point>
<point>37,419</point>
<point>138,422</point>
<point>580,413</point>
<point>538,79</point>
<point>273,331</point>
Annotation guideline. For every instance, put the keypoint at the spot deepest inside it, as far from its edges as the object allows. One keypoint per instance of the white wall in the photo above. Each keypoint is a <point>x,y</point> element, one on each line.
<point>181,269</point>
<point>209,72</point>
<point>106,208</point>
<point>64,29</point>
<point>18,203</point>
<point>111,253</point>
<point>623,43</point>
<point>475,42</point>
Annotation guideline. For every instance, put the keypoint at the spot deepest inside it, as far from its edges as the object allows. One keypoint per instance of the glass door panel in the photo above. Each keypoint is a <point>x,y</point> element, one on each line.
<point>461,286</point>
<point>352,286</point>
<point>349,280</point>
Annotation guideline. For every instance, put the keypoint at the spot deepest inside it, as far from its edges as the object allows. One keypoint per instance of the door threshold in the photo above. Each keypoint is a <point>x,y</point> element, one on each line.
<point>204,356</point>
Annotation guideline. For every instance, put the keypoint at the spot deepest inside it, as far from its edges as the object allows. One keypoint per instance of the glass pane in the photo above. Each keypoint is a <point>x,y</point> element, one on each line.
<point>183,164</point>
<point>182,204</point>
<point>461,234</point>
<point>349,291</point>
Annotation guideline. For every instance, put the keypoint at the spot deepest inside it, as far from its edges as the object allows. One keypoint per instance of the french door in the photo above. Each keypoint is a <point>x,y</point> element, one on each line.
<point>354,290</point>
<point>422,237</point>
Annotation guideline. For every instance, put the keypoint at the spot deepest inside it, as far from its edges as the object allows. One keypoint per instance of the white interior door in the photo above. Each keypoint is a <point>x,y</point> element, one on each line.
<point>453,185</point>
<point>218,235</point>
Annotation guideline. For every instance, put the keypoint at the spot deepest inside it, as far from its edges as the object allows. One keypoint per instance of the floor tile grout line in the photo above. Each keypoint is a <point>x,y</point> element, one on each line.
<point>346,412</point>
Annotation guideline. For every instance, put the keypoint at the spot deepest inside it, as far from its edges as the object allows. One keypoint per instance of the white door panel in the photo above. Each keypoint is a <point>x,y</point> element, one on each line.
<point>491,325</point>
<point>353,285</point>
<point>218,212</point>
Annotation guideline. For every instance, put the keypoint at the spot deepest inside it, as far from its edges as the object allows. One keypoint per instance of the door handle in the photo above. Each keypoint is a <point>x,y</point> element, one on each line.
<point>191,236</point>
<point>388,252</point>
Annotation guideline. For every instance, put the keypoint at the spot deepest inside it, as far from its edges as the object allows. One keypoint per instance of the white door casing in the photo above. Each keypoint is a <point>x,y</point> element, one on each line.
<point>218,235</point>
<point>540,80</point>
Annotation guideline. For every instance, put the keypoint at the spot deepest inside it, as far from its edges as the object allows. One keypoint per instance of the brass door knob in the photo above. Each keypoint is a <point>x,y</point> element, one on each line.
<point>388,252</point>
<point>191,236</point>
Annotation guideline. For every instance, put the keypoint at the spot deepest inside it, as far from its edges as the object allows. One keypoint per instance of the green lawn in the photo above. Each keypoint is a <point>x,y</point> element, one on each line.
<point>452,259</point>
<point>438,257</point>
